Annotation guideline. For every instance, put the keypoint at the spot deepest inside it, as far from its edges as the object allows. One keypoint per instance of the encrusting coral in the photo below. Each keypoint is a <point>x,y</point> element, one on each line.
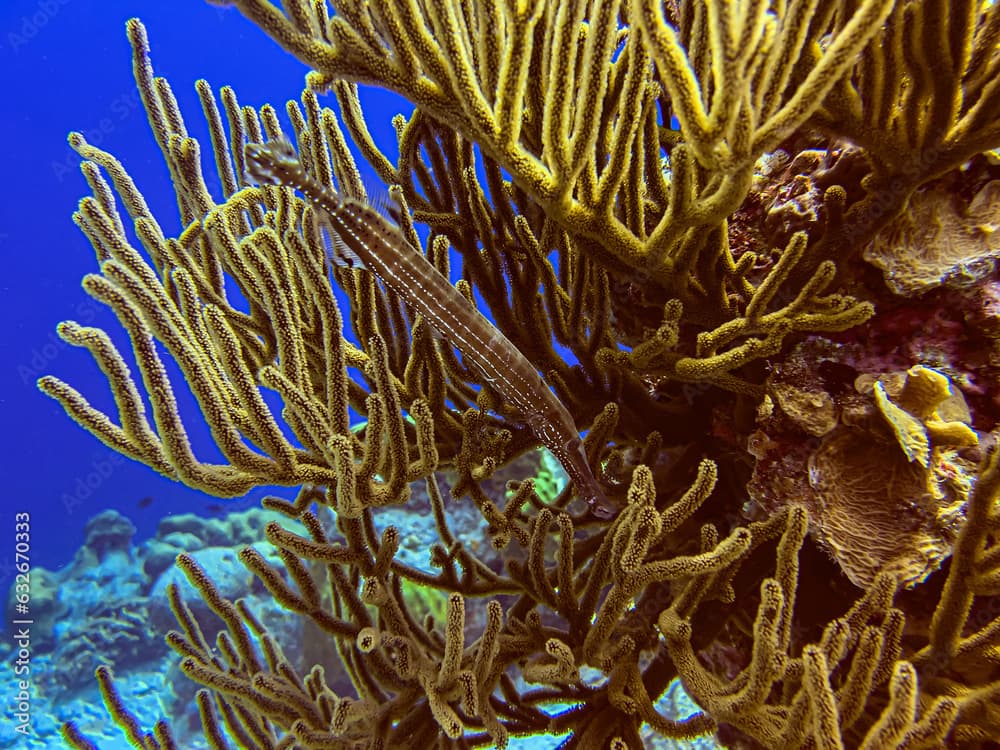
<point>934,242</point>
<point>888,451</point>
<point>640,145</point>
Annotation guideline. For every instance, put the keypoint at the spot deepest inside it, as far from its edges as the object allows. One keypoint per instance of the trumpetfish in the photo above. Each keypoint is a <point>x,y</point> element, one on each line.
<point>363,237</point>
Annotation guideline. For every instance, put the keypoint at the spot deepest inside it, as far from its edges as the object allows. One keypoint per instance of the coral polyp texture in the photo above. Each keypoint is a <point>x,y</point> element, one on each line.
<point>751,249</point>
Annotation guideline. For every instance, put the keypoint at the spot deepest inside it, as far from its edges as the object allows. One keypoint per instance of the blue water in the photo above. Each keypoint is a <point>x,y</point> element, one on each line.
<point>66,65</point>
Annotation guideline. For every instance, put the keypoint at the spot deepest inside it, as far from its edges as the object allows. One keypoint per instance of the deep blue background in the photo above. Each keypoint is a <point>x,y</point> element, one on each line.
<point>66,66</point>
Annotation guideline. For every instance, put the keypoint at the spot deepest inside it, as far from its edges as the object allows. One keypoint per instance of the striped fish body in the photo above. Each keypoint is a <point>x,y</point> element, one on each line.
<point>362,234</point>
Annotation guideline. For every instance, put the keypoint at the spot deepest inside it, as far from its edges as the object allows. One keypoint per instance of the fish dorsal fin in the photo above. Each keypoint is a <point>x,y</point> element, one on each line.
<point>336,249</point>
<point>371,226</point>
<point>381,201</point>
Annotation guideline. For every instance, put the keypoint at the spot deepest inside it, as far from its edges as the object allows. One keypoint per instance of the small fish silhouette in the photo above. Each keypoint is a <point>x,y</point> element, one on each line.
<point>362,237</point>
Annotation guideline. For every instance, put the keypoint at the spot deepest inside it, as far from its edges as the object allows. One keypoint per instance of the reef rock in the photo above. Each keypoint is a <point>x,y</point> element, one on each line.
<point>878,460</point>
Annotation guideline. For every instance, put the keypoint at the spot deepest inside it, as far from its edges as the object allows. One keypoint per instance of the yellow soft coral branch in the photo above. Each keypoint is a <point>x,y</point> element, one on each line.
<point>941,119</point>
<point>736,52</point>
<point>227,356</point>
